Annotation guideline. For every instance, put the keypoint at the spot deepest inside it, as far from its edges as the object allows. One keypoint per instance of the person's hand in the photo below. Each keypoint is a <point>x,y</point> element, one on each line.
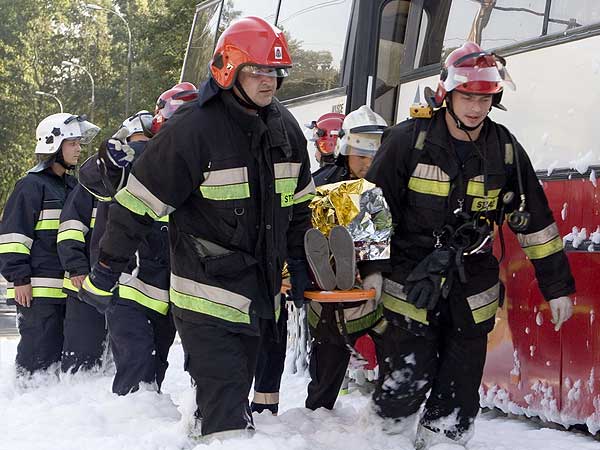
<point>24,295</point>
<point>424,284</point>
<point>77,280</point>
<point>373,281</point>
<point>298,269</point>
<point>562,310</point>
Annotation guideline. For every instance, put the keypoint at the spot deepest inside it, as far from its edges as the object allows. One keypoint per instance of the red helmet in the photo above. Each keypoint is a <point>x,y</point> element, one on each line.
<point>472,70</point>
<point>253,42</point>
<point>169,101</point>
<point>326,129</point>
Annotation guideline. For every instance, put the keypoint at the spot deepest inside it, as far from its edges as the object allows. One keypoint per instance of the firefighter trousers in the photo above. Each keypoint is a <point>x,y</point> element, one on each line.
<point>270,364</point>
<point>140,339</point>
<point>329,359</point>
<point>41,330</point>
<point>449,364</point>
<point>222,365</point>
<point>85,336</point>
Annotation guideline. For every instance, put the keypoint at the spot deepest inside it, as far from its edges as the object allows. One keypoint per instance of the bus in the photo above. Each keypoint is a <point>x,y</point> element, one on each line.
<point>383,53</point>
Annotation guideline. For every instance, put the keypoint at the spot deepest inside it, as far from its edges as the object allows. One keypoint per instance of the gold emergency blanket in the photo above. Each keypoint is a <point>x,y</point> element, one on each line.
<point>359,206</point>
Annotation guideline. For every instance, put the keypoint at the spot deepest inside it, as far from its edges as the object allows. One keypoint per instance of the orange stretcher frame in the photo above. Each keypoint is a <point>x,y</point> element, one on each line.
<point>353,295</point>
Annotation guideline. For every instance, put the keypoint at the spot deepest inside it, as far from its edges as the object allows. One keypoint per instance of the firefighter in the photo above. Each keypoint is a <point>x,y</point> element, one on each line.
<point>325,135</point>
<point>84,327</point>
<point>140,325</point>
<point>28,256</point>
<point>232,172</point>
<point>447,180</point>
<point>335,327</point>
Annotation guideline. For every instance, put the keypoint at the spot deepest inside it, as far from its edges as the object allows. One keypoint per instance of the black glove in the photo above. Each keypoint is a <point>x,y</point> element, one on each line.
<point>97,288</point>
<point>424,284</point>
<point>299,278</point>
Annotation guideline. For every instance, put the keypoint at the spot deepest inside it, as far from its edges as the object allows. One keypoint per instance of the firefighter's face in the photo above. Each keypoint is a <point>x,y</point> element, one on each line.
<point>359,165</point>
<point>471,109</point>
<point>260,88</point>
<point>71,150</point>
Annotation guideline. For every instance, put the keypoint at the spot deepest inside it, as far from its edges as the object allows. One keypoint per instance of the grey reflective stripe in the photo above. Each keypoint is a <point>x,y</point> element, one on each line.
<point>287,170</point>
<point>146,289</point>
<point>224,177</point>
<point>266,398</point>
<point>478,179</point>
<point>420,143</point>
<point>43,282</point>
<point>539,237</point>
<point>429,172</point>
<point>73,225</point>
<point>212,293</point>
<point>94,211</point>
<point>46,214</point>
<point>360,311</point>
<point>11,238</point>
<point>393,288</point>
<point>138,190</point>
<point>308,190</point>
<point>316,307</point>
<point>508,154</point>
<point>484,298</point>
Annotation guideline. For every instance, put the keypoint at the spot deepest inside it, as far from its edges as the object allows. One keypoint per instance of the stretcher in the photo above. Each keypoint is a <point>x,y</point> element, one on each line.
<point>353,295</point>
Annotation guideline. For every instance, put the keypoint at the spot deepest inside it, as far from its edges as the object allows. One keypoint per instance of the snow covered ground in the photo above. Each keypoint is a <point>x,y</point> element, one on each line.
<point>80,413</point>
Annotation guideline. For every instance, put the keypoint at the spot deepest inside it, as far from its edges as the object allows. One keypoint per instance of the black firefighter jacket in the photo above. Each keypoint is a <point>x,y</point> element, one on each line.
<point>236,188</point>
<point>145,281</point>
<point>424,183</point>
<point>28,235</point>
<point>77,221</point>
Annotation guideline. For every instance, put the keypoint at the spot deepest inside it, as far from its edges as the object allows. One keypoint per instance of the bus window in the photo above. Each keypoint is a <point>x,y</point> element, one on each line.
<point>431,31</point>
<point>392,29</point>
<point>565,15</point>
<point>202,42</point>
<point>493,23</point>
<point>316,33</point>
<point>234,9</point>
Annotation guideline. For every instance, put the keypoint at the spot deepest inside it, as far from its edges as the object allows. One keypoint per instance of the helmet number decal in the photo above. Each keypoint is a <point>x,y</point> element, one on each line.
<point>278,52</point>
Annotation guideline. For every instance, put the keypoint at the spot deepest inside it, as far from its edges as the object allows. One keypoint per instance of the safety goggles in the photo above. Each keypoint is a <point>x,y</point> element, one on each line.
<point>475,67</point>
<point>261,71</point>
<point>87,129</point>
<point>168,107</point>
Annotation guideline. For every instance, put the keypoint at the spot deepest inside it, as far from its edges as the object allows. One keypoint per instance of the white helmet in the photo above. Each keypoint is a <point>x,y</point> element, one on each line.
<point>137,123</point>
<point>361,133</point>
<point>54,129</point>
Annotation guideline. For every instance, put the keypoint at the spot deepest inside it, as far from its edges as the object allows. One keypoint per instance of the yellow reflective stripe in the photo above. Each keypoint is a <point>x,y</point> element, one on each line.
<point>486,312</point>
<point>89,286</point>
<point>163,219</point>
<point>429,187</point>
<point>226,192</point>
<point>48,292</point>
<point>75,235</point>
<point>99,197</point>
<point>305,198</point>
<point>16,238</point>
<point>14,247</point>
<point>47,224</point>
<point>477,189</point>
<point>92,222</point>
<point>407,309</point>
<point>286,185</point>
<point>134,204</point>
<point>67,284</point>
<point>366,321</point>
<point>205,306</point>
<point>133,294</point>
<point>543,250</point>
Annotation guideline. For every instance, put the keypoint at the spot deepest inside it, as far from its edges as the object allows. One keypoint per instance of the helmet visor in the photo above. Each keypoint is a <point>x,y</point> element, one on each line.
<point>262,71</point>
<point>171,105</point>
<point>479,67</point>
<point>87,129</point>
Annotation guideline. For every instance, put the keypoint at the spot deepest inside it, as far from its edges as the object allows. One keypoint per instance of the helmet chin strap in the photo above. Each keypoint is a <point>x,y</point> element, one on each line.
<point>245,100</point>
<point>60,160</point>
<point>459,123</point>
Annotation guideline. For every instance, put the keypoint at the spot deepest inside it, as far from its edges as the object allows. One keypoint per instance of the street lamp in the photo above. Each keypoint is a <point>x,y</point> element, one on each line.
<point>72,64</point>
<point>53,96</point>
<point>95,7</point>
